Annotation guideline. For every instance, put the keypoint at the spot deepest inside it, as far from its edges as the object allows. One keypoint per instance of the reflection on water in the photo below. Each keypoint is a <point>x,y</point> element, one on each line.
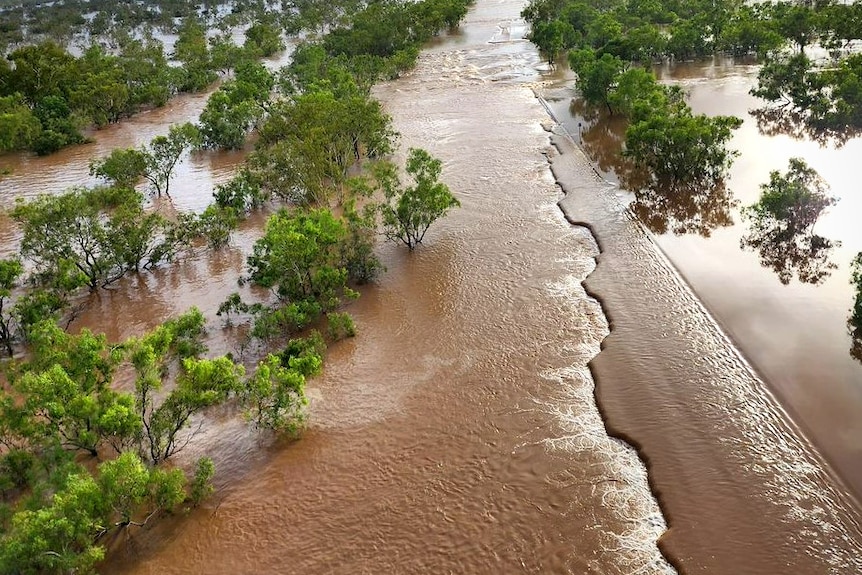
<point>789,252</point>
<point>781,225</point>
<point>684,208</point>
<point>795,334</point>
<point>785,121</point>
<point>663,206</point>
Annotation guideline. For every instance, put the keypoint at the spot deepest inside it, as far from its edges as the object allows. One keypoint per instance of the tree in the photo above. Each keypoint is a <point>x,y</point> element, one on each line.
<point>551,38</point>
<point>98,233</point>
<point>299,258</point>
<point>236,107</point>
<point>10,272</point>
<point>66,391</point>
<point>60,537</point>
<point>275,397</point>
<point>310,142</point>
<point>201,486</point>
<point>677,146</point>
<point>597,76</point>
<point>407,213</point>
<point>19,128</point>
<point>263,39</point>
<point>131,488</point>
<point>782,224</point>
<point>41,70</point>
<point>164,152</point>
<point>192,50</point>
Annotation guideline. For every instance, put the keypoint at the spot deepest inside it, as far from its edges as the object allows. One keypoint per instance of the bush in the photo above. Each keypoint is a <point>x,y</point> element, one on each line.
<point>340,326</point>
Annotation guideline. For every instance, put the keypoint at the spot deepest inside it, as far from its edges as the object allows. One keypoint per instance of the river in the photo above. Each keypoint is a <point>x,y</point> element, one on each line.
<point>459,431</point>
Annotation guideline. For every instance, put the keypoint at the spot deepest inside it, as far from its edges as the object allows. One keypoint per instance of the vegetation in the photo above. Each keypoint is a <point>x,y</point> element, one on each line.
<point>782,225</point>
<point>62,401</point>
<point>407,213</point>
<point>678,159</point>
<point>156,162</point>
<point>83,458</point>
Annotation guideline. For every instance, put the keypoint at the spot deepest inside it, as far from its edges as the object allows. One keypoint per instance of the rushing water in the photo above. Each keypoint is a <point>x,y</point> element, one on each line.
<point>459,431</point>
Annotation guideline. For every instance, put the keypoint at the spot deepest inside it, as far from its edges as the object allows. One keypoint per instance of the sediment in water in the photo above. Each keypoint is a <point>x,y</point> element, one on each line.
<point>742,491</point>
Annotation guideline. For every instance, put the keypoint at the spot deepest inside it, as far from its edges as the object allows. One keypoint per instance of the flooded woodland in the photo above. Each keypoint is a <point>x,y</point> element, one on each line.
<point>543,386</point>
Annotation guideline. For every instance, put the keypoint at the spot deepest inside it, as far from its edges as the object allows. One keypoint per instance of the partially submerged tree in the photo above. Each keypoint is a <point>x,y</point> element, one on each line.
<point>124,168</point>
<point>782,224</point>
<point>676,145</point>
<point>854,322</point>
<point>408,212</point>
<point>97,234</point>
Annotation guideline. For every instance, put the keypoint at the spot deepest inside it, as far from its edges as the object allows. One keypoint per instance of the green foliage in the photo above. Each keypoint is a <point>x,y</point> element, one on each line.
<point>340,326</point>
<point>19,128</point>
<point>357,251</point>
<point>236,107</point>
<point>676,145</point>
<point>299,258</point>
<point>91,236</point>
<point>278,321</point>
<point>201,485</point>
<point>123,168</point>
<point>192,49</point>
<point>597,76</point>
<point>164,152</point>
<point>407,213</point>
<point>310,142</point>
<point>58,538</point>
<point>200,383</point>
<point>782,224</point>
<point>242,193</point>
<point>263,39</point>
<point>67,395</point>
<point>787,79</point>
<point>276,398</point>
<point>304,354</point>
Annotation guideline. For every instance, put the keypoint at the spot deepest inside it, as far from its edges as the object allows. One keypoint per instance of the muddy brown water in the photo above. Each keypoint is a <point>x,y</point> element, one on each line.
<point>459,432</point>
<point>796,333</point>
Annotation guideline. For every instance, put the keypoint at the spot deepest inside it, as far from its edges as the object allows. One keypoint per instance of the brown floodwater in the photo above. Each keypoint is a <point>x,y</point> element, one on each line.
<point>794,333</point>
<point>459,431</point>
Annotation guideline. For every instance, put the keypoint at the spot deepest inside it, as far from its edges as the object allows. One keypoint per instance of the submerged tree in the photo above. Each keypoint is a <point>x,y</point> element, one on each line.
<point>125,167</point>
<point>677,146</point>
<point>408,212</point>
<point>782,224</point>
<point>91,237</point>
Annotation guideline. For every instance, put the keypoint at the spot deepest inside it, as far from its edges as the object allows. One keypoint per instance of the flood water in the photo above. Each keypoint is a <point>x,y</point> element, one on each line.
<point>794,333</point>
<point>459,431</point>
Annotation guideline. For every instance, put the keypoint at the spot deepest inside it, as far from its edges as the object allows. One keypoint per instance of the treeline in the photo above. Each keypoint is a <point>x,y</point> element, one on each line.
<point>674,151</point>
<point>47,96</point>
<point>55,513</point>
<point>70,21</point>
<point>823,94</point>
<point>81,459</point>
<point>322,141</point>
